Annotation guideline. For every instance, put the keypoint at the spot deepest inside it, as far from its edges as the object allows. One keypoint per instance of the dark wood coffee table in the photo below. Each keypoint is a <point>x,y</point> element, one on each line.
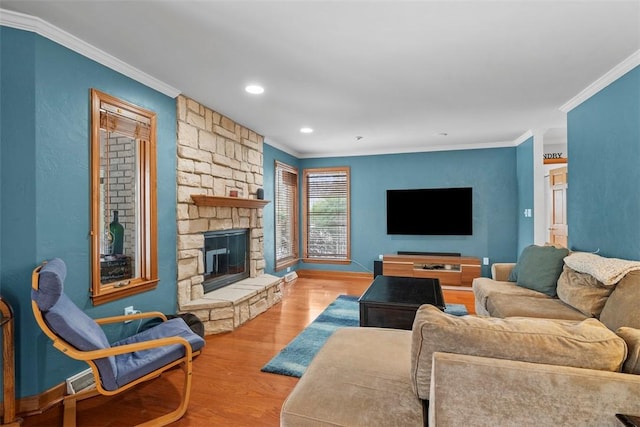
<point>391,302</point>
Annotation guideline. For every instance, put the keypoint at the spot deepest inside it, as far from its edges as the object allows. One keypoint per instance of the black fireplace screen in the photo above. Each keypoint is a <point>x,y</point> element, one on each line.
<point>226,258</point>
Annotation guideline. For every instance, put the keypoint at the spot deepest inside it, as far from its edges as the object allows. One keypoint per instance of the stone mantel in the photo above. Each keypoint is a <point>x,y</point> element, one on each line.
<point>235,202</point>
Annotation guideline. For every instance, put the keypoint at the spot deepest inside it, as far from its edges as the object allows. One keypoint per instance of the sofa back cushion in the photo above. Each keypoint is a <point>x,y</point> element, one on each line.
<point>621,308</point>
<point>583,344</point>
<point>583,292</point>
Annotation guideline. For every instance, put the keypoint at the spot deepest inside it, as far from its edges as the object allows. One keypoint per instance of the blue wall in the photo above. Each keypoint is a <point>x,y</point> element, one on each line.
<point>603,202</point>
<point>525,193</point>
<point>490,172</point>
<point>45,189</point>
<point>17,77</point>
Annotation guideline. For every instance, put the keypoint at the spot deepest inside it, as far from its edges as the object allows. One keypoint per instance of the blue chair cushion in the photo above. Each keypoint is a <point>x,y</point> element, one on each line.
<point>131,366</point>
<point>50,284</point>
<point>82,332</point>
<point>68,321</point>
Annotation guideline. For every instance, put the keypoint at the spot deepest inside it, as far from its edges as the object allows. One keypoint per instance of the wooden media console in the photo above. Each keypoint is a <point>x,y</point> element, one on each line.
<point>450,270</point>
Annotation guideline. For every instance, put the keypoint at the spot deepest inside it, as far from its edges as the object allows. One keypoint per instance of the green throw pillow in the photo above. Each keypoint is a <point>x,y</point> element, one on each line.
<point>513,276</point>
<point>539,268</point>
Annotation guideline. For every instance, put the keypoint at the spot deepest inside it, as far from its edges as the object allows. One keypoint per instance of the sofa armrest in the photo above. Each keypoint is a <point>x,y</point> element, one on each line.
<point>472,390</point>
<point>501,270</point>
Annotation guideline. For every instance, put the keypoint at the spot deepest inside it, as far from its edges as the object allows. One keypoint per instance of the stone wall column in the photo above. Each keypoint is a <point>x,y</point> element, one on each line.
<point>215,155</point>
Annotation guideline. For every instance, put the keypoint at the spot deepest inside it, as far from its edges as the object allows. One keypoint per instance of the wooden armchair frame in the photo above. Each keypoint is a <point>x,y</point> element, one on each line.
<point>89,356</point>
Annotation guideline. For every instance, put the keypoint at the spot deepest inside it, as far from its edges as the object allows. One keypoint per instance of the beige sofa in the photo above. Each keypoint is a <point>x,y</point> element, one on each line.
<point>479,370</point>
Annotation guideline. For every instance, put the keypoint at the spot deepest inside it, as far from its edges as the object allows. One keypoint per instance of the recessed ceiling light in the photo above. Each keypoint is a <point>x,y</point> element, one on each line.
<point>254,89</point>
<point>306,130</point>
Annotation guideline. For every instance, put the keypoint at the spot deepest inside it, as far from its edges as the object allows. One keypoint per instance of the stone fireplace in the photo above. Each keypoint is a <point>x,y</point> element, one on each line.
<point>216,157</point>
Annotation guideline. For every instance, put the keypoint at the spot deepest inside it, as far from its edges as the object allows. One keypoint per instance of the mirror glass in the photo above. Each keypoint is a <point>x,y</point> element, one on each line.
<point>123,199</point>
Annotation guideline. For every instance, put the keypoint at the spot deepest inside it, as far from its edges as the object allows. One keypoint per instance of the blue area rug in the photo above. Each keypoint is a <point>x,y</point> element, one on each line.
<point>344,311</point>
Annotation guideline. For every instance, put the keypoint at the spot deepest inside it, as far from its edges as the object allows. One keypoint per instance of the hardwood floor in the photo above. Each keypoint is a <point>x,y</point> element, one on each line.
<point>228,388</point>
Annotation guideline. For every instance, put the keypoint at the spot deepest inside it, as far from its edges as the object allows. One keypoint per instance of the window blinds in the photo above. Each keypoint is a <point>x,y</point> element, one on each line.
<point>286,213</point>
<point>327,214</point>
<point>116,122</point>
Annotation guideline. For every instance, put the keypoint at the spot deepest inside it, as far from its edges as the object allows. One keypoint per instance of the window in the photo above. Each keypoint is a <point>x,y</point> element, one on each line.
<point>326,215</point>
<point>286,215</point>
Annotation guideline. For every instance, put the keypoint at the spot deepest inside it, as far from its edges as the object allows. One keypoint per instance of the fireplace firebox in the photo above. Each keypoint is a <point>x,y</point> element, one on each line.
<point>226,258</point>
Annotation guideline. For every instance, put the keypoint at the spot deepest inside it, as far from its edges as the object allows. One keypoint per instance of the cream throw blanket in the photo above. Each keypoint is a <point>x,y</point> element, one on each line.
<point>609,271</point>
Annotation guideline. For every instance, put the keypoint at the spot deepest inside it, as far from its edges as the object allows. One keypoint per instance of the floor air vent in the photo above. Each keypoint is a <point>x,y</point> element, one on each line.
<point>80,382</point>
<point>290,277</point>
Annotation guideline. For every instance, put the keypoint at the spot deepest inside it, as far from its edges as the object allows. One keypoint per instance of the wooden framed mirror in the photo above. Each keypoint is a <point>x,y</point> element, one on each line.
<point>123,199</point>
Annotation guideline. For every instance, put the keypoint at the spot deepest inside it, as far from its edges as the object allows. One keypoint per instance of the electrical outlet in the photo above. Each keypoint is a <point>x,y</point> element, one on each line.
<point>127,311</point>
<point>485,261</point>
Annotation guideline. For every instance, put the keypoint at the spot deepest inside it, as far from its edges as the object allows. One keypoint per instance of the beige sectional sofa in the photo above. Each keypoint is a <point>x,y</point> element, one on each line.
<point>553,366</point>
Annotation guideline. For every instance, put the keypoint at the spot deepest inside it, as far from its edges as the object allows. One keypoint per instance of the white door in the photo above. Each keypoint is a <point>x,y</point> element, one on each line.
<point>558,230</point>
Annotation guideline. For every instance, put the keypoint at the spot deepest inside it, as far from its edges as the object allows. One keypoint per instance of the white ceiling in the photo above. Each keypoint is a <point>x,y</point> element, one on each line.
<point>397,73</point>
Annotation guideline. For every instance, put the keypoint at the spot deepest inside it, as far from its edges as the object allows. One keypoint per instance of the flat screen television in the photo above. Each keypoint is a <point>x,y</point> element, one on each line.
<point>430,211</point>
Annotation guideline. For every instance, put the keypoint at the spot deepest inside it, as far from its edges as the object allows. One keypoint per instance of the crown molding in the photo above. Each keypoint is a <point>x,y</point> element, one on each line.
<point>282,148</point>
<point>522,138</point>
<point>395,150</point>
<point>410,150</point>
<point>609,77</point>
<point>36,25</point>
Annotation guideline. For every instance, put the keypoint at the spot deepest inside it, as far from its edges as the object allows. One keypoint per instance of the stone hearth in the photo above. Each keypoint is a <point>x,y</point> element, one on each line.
<point>227,308</point>
<point>217,156</point>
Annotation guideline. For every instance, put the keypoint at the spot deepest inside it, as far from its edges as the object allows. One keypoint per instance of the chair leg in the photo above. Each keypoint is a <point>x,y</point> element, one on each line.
<point>70,404</point>
<point>182,408</point>
<point>69,414</point>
